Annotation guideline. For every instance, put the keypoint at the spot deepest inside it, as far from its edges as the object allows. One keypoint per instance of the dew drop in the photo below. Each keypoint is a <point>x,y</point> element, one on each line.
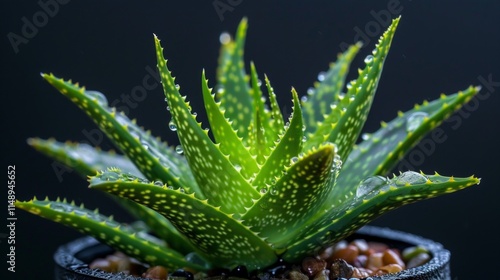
<point>349,86</point>
<point>237,167</point>
<point>273,191</point>
<point>337,163</point>
<point>158,183</point>
<point>178,149</point>
<point>369,185</point>
<point>294,159</point>
<point>259,82</point>
<point>177,86</point>
<point>415,120</point>
<point>172,126</point>
<point>365,136</point>
<point>368,59</point>
<point>341,96</point>
<point>99,97</point>
<point>220,90</point>
<point>263,190</point>
<point>145,145</point>
<point>182,190</point>
<point>310,91</point>
<point>321,76</point>
<point>410,177</point>
<point>303,98</point>
<point>224,38</point>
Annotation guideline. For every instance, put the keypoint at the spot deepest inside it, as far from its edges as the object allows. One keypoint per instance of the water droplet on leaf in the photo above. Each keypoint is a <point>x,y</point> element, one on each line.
<point>413,121</point>
<point>99,97</point>
<point>321,76</point>
<point>369,59</point>
<point>224,38</point>
<point>370,185</point>
<point>178,149</point>
<point>172,126</point>
<point>410,177</point>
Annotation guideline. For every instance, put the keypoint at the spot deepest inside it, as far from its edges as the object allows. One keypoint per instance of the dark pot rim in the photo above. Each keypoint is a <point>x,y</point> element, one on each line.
<point>71,259</point>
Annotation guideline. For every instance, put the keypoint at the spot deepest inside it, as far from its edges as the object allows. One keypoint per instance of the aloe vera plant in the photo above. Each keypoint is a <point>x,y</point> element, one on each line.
<point>256,187</point>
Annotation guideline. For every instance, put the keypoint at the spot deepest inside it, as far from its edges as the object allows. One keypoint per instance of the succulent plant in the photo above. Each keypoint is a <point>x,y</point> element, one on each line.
<point>256,187</point>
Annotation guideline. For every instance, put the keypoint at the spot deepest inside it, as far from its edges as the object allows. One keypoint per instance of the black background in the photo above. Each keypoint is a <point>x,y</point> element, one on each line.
<point>439,47</point>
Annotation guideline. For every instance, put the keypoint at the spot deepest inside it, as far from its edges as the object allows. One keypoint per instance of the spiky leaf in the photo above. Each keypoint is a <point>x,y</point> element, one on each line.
<point>155,160</point>
<point>288,147</point>
<point>277,118</point>
<point>345,121</point>
<point>382,150</point>
<point>88,161</point>
<point>318,101</point>
<point>376,196</point>
<point>226,136</point>
<point>233,89</point>
<point>262,130</point>
<point>85,159</point>
<point>223,239</point>
<point>222,183</point>
<point>116,235</point>
<point>296,196</point>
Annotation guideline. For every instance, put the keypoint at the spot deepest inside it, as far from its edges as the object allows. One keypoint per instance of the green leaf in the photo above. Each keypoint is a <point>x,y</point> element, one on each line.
<point>287,147</point>
<point>222,183</point>
<point>377,195</point>
<point>233,90</point>
<point>159,225</point>
<point>225,135</point>
<point>83,158</point>
<point>381,151</point>
<point>318,101</point>
<point>153,158</point>
<point>282,211</point>
<point>119,236</point>
<point>277,118</point>
<point>345,121</point>
<point>262,135</point>
<point>224,240</point>
<point>87,161</point>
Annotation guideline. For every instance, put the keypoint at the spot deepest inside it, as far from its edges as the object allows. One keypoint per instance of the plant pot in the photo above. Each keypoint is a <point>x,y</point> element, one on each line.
<point>72,258</point>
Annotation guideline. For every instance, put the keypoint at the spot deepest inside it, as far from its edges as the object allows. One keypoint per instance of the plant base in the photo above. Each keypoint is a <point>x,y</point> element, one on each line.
<point>72,259</point>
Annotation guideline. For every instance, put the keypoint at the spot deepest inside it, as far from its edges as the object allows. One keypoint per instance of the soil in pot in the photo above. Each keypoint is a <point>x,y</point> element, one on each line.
<point>371,253</point>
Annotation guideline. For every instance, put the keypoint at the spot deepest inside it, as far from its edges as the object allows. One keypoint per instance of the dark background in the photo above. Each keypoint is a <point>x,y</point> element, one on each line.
<point>440,46</point>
